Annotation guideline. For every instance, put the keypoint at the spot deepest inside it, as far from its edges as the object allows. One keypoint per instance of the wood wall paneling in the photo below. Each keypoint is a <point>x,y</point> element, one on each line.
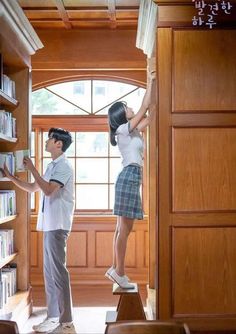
<point>90,251</point>
<point>77,249</point>
<point>164,57</point>
<point>131,255</point>
<point>103,249</point>
<point>203,168</point>
<point>114,53</point>
<point>116,57</point>
<point>203,271</point>
<point>33,251</point>
<point>201,80</point>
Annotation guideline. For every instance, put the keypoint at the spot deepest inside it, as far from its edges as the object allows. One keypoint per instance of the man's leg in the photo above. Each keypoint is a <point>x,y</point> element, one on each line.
<point>60,274</point>
<point>50,288</point>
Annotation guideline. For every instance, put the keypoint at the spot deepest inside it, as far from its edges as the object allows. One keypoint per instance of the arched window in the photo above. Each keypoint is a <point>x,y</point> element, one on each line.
<point>81,107</point>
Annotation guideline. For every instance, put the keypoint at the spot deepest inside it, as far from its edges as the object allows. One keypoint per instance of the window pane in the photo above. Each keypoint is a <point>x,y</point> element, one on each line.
<point>32,197</point>
<point>115,168</point>
<point>46,161</point>
<point>70,152</point>
<point>91,197</point>
<point>92,170</point>
<point>78,92</point>
<point>104,92</point>
<point>47,103</point>
<point>72,162</point>
<point>133,100</point>
<point>112,196</point>
<point>91,144</point>
<point>32,147</point>
<point>114,151</point>
<point>32,201</point>
<point>45,138</point>
<point>31,175</point>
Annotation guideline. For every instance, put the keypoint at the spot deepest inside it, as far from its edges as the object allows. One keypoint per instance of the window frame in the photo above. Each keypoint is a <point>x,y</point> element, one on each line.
<point>76,123</point>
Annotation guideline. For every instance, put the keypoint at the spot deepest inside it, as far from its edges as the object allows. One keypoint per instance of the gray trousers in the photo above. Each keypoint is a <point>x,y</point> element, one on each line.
<point>56,276</point>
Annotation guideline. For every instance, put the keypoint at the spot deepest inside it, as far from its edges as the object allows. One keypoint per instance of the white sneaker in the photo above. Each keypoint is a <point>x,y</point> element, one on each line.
<point>47,325</point>
<point>64,329</point>
<point>121,280</point>
<point>108,274</point>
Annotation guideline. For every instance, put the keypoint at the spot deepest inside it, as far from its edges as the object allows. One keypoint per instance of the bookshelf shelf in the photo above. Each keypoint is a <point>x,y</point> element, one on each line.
<point>4,179</point>
<point>7,219</point>
<point>13,309</point>
<point>8,139</point>
<point>7,259</point>
<point>7,100</point>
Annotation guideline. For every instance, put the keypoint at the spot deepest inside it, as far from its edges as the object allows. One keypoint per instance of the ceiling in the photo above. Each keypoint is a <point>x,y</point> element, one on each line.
<point>79,14</point>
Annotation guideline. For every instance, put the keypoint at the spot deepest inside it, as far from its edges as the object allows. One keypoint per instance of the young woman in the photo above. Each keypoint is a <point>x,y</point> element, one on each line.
<point>125,127</point>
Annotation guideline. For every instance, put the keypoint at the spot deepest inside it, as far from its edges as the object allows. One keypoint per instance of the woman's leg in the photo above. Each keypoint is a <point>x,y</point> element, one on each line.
<point>125,227</point>
<point>114,262</point>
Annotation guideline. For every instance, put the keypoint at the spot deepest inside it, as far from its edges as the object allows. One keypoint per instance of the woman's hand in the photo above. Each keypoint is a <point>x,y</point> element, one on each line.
<point>151,75</point>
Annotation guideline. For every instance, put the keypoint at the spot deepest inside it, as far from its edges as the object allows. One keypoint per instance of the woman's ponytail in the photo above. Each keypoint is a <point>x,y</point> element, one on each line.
<point>113,137</point>
<point>116,117</point>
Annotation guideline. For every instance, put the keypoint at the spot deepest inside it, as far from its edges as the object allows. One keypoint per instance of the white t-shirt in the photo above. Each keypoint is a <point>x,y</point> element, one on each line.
<point>130,144</point>
<point>56,211</point>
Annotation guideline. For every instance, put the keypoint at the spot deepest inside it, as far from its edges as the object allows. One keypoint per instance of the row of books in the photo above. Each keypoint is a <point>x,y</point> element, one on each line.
<point>13,160</point>
<point>7,124</point>
<point>6,243</point>
<point>8,285</point>
<point>7,203</point>
<point>9,159</point>
<point>8,86</point>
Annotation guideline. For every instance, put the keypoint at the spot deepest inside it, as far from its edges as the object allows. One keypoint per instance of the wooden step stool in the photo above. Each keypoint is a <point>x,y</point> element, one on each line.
<point>129,307</point>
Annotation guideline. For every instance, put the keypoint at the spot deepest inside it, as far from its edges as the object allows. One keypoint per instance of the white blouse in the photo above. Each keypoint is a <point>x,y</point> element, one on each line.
<point>130,144</point>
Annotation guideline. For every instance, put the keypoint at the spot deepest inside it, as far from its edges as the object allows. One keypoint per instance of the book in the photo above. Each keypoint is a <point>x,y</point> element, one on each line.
<point>9,159</point>
<point>19,157</point>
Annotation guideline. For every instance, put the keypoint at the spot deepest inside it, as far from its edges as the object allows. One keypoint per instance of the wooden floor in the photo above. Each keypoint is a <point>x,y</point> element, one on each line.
<point>87,320</point>
<point>88,296</point>
<point>91,304</point>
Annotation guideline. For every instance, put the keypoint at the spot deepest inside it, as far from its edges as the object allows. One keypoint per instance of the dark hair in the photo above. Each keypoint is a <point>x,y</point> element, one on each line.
<point>116,117</point>
<point>61,134</point>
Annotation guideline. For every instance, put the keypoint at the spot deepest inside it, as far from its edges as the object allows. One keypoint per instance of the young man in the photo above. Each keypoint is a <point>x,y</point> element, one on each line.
<point>55,220</point>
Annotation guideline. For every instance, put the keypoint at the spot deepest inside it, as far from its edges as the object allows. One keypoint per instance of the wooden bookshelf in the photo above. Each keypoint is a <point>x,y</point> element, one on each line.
<point>13,309</point>
<point>7,259</point>
<point>4,179</point>
<point>6,138</point>
<point>18,41</point>
<point>7,101</point>
<point>7,219</point>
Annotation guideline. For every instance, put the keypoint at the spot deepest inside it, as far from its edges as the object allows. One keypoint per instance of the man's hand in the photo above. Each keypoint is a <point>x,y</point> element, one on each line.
<point>6,171</point>
<point>28,164</point>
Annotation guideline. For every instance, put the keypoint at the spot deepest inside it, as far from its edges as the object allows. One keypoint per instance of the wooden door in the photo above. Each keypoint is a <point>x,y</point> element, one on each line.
<point>197,179</point>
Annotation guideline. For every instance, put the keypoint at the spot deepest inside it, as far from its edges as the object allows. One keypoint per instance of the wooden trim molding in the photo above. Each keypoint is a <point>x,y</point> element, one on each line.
<point>63,13</point>
<point>13,16</point>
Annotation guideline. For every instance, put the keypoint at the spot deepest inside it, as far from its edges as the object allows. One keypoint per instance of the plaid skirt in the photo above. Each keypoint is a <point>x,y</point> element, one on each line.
<point>127,193</point>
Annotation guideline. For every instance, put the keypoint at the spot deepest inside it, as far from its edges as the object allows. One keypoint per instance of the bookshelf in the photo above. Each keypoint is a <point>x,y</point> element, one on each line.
<point>18,42</point>
<point>7,219</point>
<point>7,138</point>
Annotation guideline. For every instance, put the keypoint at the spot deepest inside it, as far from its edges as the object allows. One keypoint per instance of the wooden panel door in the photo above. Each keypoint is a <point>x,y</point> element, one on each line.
<point>197,182</point>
